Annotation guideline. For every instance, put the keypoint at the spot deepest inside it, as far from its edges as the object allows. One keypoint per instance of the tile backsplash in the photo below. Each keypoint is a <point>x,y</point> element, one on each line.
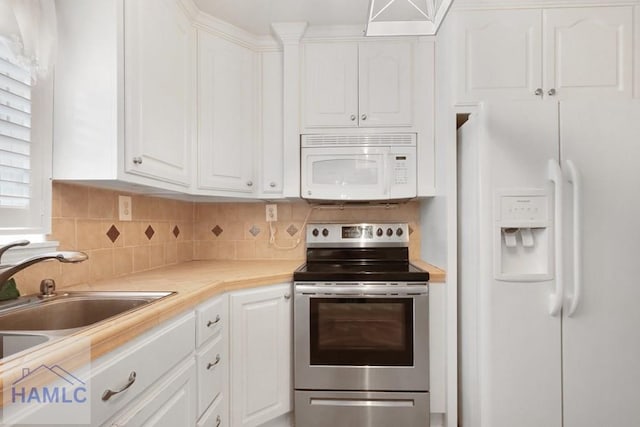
<point>240,230</point>
<point>164,232</point>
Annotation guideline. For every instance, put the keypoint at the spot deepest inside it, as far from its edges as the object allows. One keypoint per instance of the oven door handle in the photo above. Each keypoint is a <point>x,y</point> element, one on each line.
<point>363,290</point>
<point>402,403</point>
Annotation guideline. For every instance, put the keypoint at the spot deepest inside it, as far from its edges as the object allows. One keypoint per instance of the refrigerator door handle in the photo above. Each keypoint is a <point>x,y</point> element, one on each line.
<point>554,174</point>
<point>575,179</point>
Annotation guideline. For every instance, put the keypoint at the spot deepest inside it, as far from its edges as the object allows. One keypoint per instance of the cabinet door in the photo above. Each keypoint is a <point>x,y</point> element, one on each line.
<point>171,403</point>
<point>385,71</point>
<point>227,105</point>
<point>272,123</point>
<point>588,52</point>
<point>330,85</point>
<point>158,90</point>
<point>499,54</point>
<point>260,354</point>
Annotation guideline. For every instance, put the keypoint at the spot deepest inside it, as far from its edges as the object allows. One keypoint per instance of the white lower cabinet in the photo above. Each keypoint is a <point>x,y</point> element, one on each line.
<point>212,356</point>
<point>260,337</point>
<point>215,416</point>
<point>169,404</point>
<point>135,376</point>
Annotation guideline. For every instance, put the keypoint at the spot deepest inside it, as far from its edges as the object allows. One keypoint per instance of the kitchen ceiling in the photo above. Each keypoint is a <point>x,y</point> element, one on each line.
<point>256,16</point>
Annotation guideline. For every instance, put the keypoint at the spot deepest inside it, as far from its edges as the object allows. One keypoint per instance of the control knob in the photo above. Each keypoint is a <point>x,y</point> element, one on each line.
<point>389,232</point>
<point>325,232</point>
<point>399,232</point>
<point>315,232</point>
<point>379,232</point>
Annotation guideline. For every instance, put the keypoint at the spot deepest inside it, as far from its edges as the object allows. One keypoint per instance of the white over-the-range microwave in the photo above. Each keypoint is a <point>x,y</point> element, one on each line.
<point>371,167</point>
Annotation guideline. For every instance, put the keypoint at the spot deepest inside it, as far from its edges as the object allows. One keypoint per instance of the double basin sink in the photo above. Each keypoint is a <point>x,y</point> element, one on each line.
<point>33,320</point>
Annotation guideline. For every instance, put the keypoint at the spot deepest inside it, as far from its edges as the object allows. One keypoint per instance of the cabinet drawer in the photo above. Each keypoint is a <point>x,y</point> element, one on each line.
<point>211,319</point>
<point>149,356</point>
<point>216,415</point>
<point>211,363</point>
<point>169,403</point>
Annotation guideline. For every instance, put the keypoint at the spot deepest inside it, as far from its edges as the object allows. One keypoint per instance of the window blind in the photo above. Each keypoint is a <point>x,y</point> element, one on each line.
<point>15,133</point>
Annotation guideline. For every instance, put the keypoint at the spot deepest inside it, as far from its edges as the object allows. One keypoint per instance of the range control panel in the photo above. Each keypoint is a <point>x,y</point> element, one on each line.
<point>358,235</point>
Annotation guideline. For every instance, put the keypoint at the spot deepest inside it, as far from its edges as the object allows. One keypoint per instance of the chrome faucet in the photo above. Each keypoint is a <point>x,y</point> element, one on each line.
<point>5,248</point>
<point>8,271</point>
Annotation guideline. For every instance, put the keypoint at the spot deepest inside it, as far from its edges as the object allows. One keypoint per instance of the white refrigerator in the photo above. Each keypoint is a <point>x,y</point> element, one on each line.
<point>549,265</point>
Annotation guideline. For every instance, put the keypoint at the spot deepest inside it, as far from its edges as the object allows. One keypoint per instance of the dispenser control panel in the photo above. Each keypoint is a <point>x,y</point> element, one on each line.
<point>523,210</point>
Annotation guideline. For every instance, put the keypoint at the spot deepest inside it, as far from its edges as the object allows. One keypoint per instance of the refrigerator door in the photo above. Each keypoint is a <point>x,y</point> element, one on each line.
<point>518,342</point>
<point>601,339</point>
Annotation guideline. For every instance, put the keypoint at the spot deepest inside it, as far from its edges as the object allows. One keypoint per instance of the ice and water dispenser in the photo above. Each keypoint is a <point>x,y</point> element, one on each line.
<point>523,236</point>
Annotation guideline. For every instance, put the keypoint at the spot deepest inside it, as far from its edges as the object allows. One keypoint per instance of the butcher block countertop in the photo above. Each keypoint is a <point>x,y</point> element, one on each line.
<point>194,282</point>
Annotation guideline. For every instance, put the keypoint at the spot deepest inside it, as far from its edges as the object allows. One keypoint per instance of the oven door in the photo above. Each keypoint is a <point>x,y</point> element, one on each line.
<point>361,336</point>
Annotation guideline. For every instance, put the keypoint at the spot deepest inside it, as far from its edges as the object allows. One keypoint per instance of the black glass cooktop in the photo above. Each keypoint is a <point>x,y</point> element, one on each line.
<point>387,272</point>
<point>359,264</point>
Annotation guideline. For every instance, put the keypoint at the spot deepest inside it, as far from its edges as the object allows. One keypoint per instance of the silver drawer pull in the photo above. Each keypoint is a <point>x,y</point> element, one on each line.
<point>211,365</point>
<point>218,421</point>
<point>213,322</point>
<point>108,393</point>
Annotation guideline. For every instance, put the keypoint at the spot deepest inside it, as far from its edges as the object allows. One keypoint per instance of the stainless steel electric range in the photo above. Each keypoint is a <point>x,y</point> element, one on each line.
<point>361,318</point>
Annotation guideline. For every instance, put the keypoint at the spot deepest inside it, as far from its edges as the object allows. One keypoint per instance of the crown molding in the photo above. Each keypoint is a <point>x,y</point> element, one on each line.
<point>536,4</point>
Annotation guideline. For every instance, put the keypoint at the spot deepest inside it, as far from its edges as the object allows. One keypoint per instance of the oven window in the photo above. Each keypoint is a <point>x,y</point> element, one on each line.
<point>361,331</point>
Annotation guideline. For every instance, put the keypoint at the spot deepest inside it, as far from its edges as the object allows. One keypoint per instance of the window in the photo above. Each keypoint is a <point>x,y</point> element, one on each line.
<point>15,133</point>
<point>25,149</point>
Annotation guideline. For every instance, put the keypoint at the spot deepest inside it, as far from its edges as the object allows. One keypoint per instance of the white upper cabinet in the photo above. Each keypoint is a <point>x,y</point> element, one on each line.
<point>563,53</point>
<point>272,169</point>
<point>227,105</point>
<point>588,52</point>
<point>158,90</point>
<point>499,54</point>
<point>385,84</point>
<point>349,84</point>
<point>123,103</point>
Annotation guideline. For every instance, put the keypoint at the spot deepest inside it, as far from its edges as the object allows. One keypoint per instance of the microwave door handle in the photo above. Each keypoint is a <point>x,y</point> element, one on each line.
<point>386,178</point>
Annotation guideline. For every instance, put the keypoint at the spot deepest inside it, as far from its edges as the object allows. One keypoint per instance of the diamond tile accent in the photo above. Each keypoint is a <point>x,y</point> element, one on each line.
<point>176,231</point>
<point>292,229</point>
<point>254,230</point>
<point>113,233</point>
<point>217,230</point>
<point>149,232</point>
<point>410,230</point>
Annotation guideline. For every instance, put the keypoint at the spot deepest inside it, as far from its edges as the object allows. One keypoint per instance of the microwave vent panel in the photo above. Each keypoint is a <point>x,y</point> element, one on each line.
<point>386,139</point>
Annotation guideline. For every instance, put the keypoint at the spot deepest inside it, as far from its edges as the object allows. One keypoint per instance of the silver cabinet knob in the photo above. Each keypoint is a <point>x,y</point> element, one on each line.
<point>551,92</point>
<point>353,117</point>
<point>137,160</point>
<point>287,296</point>
<point>363,117</point>
<point>538,92</point>
<point>249,183</point>
<point>272,184</point>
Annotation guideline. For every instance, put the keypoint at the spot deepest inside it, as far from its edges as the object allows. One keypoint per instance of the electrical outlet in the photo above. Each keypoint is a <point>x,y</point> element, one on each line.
<point>272,213</point>
<point>124,208</point>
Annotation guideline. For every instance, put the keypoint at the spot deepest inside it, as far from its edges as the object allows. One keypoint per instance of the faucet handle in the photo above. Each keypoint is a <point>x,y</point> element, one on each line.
<point>8,246</point>
<point>47,287</point>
